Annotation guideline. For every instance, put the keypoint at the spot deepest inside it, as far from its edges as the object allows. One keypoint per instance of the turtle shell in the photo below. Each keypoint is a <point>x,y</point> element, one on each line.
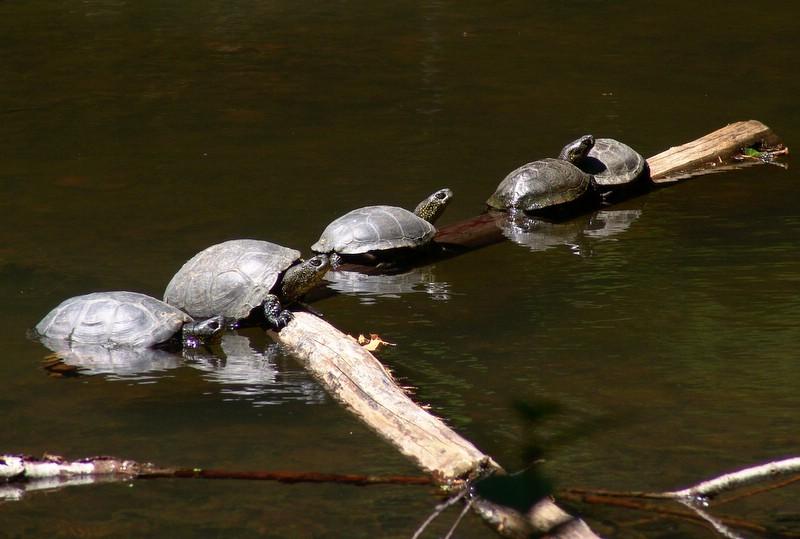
<point>113,318</point>
<point>229,279</point>
<point>374,228</point>
<point>613,163</point>
<point>540,185</point>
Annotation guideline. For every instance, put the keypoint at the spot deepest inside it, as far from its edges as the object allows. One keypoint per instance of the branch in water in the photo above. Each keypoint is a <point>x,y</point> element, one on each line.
<point>730,481</point>
<point>23,474</point>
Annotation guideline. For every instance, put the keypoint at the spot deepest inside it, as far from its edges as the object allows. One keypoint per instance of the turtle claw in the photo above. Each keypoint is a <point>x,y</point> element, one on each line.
<point>277,317</point>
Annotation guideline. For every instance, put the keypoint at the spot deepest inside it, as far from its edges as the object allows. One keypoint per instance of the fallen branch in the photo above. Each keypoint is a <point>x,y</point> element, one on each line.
<point>697,497</point>
<point>20,474</point>
<point>730,481</point>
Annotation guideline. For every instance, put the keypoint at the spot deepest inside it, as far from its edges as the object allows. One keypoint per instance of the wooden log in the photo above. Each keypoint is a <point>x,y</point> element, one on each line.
<point>362,384</point>
<point>704,154</point>
<point>355,378</point>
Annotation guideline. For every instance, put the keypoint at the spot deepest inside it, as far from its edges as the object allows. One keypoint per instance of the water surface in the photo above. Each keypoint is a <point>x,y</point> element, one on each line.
<point>136,133</point>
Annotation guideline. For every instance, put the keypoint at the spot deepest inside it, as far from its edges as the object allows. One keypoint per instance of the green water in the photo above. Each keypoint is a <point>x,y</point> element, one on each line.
<point>136,133</point>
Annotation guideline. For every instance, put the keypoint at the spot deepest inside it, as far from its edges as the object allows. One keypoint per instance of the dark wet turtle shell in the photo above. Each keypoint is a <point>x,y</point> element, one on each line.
<point>374,228</point>
<point>539,185</point>
<point>113,318</point>
<point>230,278</point>
<point>612,163</point>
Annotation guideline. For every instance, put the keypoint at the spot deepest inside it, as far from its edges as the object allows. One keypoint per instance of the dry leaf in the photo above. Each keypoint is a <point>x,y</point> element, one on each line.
<point>373,343</point>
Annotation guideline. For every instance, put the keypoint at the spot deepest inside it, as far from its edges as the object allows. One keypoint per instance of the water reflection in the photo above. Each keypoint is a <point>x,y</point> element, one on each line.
<point>133,364</point>
<point>245,373</point>
<point>258,376</point>
<point>370,287</point>
<point>607,223</point>
<point>539,235</point>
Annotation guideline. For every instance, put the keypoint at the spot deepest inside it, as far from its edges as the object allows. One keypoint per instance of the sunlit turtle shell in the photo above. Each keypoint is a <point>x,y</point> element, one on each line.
<point>113,318</point>
<point>539,185</point>
<point>230,278</point>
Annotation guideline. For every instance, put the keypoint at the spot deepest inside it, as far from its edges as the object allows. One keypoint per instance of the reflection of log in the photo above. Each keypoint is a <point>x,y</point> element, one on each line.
<point>356,379</point>
<point>694,158</point>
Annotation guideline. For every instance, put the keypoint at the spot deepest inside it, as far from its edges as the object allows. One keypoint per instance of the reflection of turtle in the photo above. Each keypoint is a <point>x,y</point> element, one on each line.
<point>368,287</point>
<point>260,374</point>
<point>124,319</point>
<point>541,186</point>
<point>540,234</point>
<point>234,277</point>
<point>611,163</point>
<point>120,362</point>
<point>380,231</point>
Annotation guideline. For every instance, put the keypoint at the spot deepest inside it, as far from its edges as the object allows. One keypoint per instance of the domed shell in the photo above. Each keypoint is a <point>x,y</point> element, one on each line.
<point>539,185</point>
<point>613,163</point>
<point>113,318</point>
<point>374,228</point>
<point>229,278</point>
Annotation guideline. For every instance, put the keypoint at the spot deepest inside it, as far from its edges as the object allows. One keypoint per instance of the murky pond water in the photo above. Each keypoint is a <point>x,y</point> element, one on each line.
<point>136,133</point>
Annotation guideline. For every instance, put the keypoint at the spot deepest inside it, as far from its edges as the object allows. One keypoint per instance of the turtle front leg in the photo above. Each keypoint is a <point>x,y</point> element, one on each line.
<point>276,315</point>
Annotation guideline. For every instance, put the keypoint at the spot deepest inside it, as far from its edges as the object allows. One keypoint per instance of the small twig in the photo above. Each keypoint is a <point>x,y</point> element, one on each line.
<point>721,528</point>
<point>458,520</point>
<point>287,477</point>
<point>438,511</point>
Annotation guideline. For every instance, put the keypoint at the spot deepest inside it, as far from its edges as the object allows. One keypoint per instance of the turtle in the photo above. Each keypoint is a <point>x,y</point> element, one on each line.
<point>381,232</point>
<point>541,187</point>
<point>612,164</point>
<point>127,319</point>
<point>235,277</point>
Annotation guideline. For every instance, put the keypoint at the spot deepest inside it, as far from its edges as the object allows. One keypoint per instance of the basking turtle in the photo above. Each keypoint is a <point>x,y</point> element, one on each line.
<point>234,277</point>
<point>611,163</point>
<point>125,319</point>
<point>379,231</point>
<point>541,186</point>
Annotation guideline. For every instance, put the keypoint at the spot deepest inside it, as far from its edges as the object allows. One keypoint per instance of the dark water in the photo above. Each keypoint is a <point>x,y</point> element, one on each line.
<point>136,133</point>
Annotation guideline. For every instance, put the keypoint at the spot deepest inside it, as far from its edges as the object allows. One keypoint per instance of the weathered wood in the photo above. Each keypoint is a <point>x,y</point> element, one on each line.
<point>355,378</point>
<point>702,155</point>
<point>362,384</point>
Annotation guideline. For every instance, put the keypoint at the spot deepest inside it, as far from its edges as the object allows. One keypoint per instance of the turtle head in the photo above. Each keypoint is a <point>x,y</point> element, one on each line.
<point>577,150</point>
<point>304,276</point>
<point>432,207</point>
<point>203,332</point>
